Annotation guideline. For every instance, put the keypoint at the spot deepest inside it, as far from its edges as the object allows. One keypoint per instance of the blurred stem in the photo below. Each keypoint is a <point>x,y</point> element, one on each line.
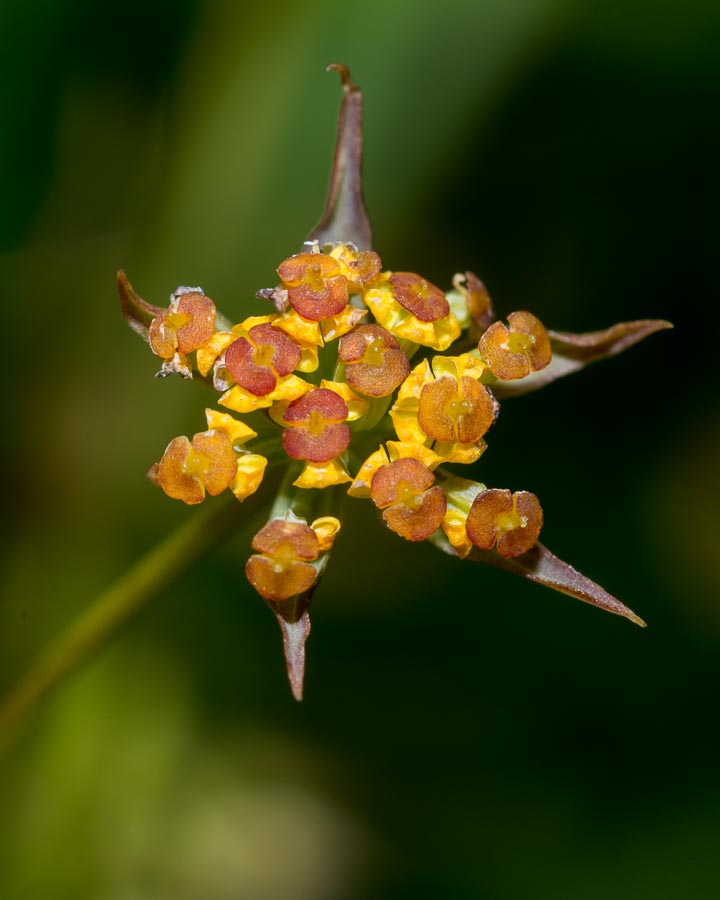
<point>160,568</point>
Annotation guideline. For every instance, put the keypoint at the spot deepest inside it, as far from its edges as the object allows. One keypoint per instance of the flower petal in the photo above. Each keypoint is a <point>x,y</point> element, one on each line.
<point>363,480</point>
<point>356,406</point>
<point>219,458</point>
<point>238,432</point>
<point>172,474</point>
<point>289,388</point>
<point>417,524</point>
<point>279,580</point>
<point>326,528</point>
<point>209,352</point>
<point>419,296</point>
<point>302,443</point>
<point>403,324</point>
<point>282,535</point>
<point>304,331</point>
<point>409,449</point>
<point>322,475</point>
<point>400,479</point>
<point>250,471</point>
<point>336,326</point>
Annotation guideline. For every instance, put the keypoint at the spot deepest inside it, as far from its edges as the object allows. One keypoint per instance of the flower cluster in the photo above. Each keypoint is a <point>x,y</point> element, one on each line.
<point>367,382</point>
<point>337,311</point>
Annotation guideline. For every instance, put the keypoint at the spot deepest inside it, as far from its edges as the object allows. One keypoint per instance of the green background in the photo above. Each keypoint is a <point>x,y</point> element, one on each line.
<point>465,734</point>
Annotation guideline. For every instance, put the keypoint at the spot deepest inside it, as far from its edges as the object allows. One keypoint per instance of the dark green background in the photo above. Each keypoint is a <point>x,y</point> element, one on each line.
<point>465,734</point>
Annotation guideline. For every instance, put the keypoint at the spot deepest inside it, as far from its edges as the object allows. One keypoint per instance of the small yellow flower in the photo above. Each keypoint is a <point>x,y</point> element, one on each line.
<point>381,457</point>
<point>213,461</point>
<point>413,309</point>
<point>186,325</point>
<point>460,493</point>
<point>512,522</point>
<point>443,405</point>
<point>516,351</point>
<point>288,553</point>
<point>374,362</point>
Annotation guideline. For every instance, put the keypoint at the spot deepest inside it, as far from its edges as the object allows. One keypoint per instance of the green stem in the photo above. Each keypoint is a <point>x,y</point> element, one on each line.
<point>286,494</point>
<point>305,503</point>
<point>154,572</point>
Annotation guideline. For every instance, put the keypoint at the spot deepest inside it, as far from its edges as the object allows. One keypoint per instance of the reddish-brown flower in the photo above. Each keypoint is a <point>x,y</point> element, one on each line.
<point>419,297</point>
<point>516,351</point>
<point>316,428</point>
<point>411,506</point>
<point>316,287</point>
<point>257,362</point>
<point>187,324</point>
<point>375,364</point>
<point>360,266</point>
<point>477,299</point>
<point>188,469</point>
<point>510,521</point>
<point>452,409</point>
<point>282,569</point>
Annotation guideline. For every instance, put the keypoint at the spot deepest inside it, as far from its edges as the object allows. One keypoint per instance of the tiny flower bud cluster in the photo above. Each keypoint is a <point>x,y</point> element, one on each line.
<point>380,336</point>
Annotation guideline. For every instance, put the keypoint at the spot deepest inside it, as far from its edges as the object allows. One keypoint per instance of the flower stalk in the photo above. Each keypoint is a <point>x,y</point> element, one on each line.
<point>153,574</point>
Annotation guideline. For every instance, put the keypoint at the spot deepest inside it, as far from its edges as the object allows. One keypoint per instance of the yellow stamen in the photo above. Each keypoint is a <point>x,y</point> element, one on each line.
<point>408,495</point>
<point>313,278</point>
<point>374,354</point>
<point>195,465</point>
<point>458,408</point>
<point>176,320</point>
<point>520,343</point>
<point>316,423</point>
<point>510,521</point>
<point>263,355</point>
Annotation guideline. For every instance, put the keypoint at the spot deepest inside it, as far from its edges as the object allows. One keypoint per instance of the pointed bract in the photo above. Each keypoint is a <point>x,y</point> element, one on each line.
<point>294,619</point>
<point>345,217</point>
<point>138,314</point>
<point>540,565</point>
